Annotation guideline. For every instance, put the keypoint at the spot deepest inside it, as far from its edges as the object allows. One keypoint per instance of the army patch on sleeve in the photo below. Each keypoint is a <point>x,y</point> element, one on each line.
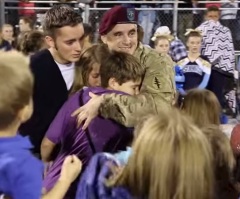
<point>156,83</point>
<point>130,14</point>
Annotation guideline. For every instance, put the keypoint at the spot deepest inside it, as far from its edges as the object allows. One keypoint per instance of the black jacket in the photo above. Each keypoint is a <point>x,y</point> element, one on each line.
<point>49,94</point>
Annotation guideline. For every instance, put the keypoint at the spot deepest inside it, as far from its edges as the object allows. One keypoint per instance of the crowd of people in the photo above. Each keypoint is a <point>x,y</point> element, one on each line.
<point>117,119</point>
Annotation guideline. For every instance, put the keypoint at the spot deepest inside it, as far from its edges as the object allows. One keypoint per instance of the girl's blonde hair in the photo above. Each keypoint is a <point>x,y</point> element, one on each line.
<point>171,159</point>
<point>84,66</point>
<point>202,106</point>
<point>162,37</point>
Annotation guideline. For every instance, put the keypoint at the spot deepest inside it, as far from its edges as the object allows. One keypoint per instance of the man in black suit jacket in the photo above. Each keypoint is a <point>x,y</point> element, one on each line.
<point>53,69</point>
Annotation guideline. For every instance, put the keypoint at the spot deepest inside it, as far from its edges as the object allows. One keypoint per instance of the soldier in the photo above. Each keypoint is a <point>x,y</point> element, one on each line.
<point>118,30</point>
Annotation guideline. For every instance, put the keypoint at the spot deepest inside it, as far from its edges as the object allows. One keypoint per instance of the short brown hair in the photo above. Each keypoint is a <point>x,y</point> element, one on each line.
<point>32,42</point>
<point>194,34</point>
<point>121,66</point>
<point>28,20</point>
<point>16,86</point>
<point>212,9</point>
<point>59,16</point>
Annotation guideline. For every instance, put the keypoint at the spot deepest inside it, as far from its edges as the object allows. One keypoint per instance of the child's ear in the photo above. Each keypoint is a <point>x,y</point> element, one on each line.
<point>26,112</point>
<point>113,84</point>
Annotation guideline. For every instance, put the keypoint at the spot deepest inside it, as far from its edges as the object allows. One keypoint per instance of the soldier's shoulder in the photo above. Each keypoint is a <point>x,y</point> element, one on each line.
<point>152,55</point>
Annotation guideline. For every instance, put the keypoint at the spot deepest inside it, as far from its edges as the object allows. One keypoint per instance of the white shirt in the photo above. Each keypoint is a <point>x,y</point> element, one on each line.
<point>67,71</point>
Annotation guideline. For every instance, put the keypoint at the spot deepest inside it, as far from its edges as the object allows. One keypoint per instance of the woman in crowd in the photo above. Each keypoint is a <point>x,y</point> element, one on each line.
<point>7,34</point>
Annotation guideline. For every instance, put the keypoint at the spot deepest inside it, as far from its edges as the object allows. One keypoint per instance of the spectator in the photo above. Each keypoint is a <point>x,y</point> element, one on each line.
<point>33,42</point>
<point>177,48</point>
<point>229,17</point>
<point>25,26</point>
<point>162,44</point>
<point>26,12</point>
<point>7,33</point>
<point>195,67</point>
<point>217,46</point>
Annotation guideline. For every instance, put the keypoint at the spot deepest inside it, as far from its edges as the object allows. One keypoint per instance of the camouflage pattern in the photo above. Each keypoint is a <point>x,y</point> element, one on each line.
<point>157,92</point>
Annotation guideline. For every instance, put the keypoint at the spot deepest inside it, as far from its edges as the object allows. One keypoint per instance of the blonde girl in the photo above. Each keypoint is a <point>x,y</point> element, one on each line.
<point>171,159</point>
<point>202,106</point>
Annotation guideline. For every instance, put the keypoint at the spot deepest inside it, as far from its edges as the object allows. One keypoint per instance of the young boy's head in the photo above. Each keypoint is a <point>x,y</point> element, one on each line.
<point>212,13</point>
<point>123,72</point>
<point>16,87</point>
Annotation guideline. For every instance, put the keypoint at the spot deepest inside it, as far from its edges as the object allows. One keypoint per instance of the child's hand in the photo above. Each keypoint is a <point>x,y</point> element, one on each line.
<point>71,168</point>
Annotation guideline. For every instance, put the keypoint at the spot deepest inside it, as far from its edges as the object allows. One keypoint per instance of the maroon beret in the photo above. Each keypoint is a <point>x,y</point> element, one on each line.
<point>117,15</point>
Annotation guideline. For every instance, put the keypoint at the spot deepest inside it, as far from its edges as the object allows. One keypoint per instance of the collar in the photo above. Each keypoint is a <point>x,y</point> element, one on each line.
<point>15,143</point>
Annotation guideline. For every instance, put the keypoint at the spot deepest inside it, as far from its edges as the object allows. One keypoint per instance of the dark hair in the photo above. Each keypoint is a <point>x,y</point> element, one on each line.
<point>32,42</point>
<point>88,31</point>
<point>140,32</point>
<point>121,66</point>
<point>212,9</point>
<point>59,16</point>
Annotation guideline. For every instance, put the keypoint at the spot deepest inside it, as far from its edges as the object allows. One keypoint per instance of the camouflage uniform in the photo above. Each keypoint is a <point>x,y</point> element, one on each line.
<point>157,92</point>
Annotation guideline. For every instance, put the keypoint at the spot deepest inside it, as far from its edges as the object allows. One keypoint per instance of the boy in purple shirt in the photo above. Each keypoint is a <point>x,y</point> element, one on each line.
<point>120,73</point>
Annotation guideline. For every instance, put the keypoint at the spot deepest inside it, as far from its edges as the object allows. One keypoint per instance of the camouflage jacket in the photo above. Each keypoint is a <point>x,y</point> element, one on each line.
<point>157,92</point>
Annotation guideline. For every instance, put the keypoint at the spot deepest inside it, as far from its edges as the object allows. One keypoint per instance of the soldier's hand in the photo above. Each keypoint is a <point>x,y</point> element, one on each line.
<point>89,111</point>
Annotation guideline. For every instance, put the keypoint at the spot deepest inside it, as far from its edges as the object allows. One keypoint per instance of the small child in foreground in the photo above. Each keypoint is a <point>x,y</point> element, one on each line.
<point>20,172</point>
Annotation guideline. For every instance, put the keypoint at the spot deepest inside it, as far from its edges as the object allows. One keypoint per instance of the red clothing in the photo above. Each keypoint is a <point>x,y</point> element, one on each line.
<point>26,12</point>
<point>213,4</point>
